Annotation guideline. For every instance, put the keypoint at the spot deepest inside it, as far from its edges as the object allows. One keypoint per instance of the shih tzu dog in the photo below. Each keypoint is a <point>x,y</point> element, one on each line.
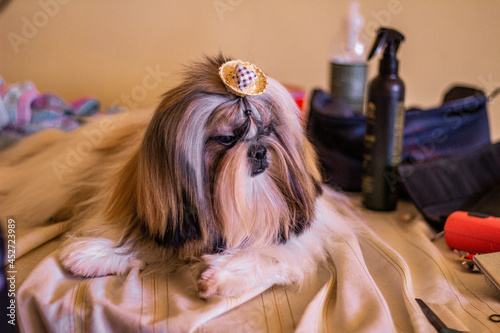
<point>220,177</point>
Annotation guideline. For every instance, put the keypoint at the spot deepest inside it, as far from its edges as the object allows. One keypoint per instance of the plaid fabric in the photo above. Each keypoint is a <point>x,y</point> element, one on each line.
<point>243,76</point>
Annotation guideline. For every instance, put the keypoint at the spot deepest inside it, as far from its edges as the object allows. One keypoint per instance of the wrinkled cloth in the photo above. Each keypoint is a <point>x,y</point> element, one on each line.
<point>369,285</point>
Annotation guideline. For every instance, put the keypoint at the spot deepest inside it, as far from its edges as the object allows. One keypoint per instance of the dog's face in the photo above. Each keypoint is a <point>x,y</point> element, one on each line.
<point>217,171</point>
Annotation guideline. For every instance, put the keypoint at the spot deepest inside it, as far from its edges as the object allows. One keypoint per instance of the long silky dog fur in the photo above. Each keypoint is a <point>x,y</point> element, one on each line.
<point>182,186</point>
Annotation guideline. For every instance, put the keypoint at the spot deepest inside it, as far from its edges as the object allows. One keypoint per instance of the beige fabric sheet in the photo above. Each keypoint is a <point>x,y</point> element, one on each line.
<point>369,286</point>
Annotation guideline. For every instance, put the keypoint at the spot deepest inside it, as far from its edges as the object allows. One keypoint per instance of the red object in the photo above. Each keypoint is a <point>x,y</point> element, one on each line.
<point>472,232</point>
<point>298,95</point>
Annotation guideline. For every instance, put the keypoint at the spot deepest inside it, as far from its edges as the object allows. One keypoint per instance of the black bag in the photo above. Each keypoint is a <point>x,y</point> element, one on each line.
<point>459,125</point>
<point>466,181</point>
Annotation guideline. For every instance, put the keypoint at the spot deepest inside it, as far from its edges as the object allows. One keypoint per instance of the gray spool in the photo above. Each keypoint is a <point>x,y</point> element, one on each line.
<point>348,82</point>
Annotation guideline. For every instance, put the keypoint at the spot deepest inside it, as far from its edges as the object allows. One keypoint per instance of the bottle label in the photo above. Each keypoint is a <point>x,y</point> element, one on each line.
<point>383,153</point>
<point>397,145</point>
<point>369,142</point>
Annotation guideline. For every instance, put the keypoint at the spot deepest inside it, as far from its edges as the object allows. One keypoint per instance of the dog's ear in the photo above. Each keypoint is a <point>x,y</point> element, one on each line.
<point>166,182</point>
<point>151,193</point>
<point>303,182</point>
<point>305,186</point>
<point>311,162</point>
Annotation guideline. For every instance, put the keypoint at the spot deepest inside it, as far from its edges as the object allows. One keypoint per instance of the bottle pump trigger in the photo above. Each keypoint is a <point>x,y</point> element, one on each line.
<point>390,36</point>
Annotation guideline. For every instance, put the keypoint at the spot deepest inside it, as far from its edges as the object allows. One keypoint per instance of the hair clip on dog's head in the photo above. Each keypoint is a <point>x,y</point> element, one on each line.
<point>243,78</point>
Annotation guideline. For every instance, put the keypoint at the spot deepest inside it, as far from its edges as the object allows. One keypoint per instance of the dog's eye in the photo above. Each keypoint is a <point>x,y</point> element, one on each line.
<point>225,140</point>
<point>267,130</point>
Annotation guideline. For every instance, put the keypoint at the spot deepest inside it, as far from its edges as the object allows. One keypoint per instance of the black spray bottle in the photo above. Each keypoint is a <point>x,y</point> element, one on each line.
<point>384,126</point>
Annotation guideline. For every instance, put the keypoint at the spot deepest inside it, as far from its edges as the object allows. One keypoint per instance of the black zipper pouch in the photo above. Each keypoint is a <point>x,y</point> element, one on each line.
<point>458,125</point>
<point>465,181</point>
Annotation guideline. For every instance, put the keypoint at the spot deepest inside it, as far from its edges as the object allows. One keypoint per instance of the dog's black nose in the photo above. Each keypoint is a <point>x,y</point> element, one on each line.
<point>257,155</point>
<point>260,153</point>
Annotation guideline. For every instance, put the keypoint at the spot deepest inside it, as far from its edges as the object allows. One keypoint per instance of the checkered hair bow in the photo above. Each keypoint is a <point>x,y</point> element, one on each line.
<point>243,76</point>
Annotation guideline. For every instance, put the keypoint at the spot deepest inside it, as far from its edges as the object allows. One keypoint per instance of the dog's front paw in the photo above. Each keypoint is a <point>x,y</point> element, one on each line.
<point>92,257</point>
<point>224,276</point>
<point>208,284</point>
<point>217,283</point>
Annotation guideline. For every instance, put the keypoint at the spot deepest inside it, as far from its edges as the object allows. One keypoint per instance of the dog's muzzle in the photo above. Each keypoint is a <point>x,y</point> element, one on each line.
<point>257,155</point>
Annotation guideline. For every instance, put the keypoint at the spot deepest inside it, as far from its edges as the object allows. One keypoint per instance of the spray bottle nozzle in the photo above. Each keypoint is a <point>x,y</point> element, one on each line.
<point>388,38</point>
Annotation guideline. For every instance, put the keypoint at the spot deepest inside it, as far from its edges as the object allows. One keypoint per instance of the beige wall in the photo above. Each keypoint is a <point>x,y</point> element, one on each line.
<point>107,48</point>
